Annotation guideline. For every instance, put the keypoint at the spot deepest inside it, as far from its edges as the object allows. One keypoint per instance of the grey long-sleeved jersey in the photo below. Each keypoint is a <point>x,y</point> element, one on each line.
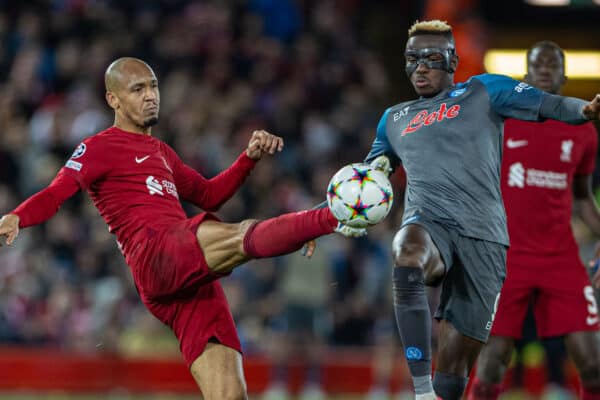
<point>451,146</point>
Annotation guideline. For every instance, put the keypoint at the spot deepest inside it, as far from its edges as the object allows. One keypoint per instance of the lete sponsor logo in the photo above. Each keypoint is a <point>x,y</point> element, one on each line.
<point>425,118</point>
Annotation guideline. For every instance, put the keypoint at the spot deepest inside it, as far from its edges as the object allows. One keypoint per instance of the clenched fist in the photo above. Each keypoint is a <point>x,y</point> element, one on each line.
<point>9,227</point>
<point>263,142</point>
<point>592,109</point>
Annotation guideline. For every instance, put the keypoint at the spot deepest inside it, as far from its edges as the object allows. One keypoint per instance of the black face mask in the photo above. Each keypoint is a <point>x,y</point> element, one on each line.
<point>421,56</point>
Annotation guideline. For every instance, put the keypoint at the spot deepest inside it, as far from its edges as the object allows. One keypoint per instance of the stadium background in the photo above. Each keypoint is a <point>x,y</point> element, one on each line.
<point>319,73</point>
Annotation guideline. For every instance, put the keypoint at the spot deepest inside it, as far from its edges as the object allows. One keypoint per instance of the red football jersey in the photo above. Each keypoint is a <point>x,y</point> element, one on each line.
<point>136,181</point>
<point>538,166</point>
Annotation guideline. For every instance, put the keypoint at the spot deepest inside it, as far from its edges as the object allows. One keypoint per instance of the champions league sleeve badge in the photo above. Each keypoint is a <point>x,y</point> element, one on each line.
<point>79,151</point>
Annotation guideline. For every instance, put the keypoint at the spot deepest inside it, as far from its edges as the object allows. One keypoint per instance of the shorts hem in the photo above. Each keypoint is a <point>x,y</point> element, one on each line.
<point>196,353</point>
<point>546,335</point>
<point>465,332</point>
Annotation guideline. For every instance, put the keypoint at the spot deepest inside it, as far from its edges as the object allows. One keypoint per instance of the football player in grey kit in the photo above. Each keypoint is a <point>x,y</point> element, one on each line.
<point>453,232</point>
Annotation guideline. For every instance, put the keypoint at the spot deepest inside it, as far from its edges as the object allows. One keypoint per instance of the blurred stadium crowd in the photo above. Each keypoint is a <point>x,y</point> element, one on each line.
<point>304,75</point>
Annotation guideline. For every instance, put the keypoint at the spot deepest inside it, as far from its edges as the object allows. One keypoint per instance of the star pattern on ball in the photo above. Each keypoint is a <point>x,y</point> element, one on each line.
<point>332,191</point>
<point>386,196</point>
<point>359,209</point>
<point>361,175</point>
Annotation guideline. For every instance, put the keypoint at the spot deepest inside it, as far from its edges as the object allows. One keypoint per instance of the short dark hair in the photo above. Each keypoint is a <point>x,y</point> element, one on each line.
<point>547,44</point>
<point>433,27</point>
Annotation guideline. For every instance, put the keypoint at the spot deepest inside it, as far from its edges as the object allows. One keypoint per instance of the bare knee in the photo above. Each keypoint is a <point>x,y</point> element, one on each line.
<point>241,234</point>
<point>223,244</point>
<point>410,255</point>
<point>494,359</point>
<point>418,254</point>
<point>410,249</point>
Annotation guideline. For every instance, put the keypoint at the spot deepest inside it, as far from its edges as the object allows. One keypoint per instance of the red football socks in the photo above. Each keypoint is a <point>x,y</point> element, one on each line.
<point>287,233</point>
<point>484,391</point>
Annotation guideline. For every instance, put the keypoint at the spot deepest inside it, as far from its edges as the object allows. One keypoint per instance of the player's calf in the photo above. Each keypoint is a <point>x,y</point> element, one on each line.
<point>411,307</point>
<point>494,358</point>
<point>455,358</point>
<point>413,318</point>
<point>584,349</point>
<point>287,233</point>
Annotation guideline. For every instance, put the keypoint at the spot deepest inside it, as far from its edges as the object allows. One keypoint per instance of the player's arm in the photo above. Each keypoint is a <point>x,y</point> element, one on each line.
<point>584,202</point>
<point>39,207</point>
<point>586,209</point>
<point>513,99</point>
<point>210,194</point>
<point>382,156</point>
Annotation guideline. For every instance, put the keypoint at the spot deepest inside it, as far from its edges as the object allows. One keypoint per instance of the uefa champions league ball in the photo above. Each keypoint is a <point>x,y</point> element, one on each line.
<point>359,196</point>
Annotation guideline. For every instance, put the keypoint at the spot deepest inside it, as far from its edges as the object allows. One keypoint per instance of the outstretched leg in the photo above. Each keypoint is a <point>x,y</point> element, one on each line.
<point>226,246</point>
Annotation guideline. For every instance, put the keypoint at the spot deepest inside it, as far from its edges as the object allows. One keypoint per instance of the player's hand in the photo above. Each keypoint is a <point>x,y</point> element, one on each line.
<point>349,231</point>
<point>382,163</point>
<point>9,227</point>
<point>309,248</point>
<point>263,142</point>
<point>592,109</point>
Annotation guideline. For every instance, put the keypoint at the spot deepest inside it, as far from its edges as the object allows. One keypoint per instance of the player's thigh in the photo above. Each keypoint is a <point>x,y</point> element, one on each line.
<point>414,246</point>
<point>584,349</point>
<point>223,244</point>
<point>219,374</point>
<point>456,352</point>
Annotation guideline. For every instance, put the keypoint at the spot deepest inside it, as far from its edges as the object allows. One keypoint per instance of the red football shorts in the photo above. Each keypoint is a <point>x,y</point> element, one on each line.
<point>178,288</point>
<point>559,290</point>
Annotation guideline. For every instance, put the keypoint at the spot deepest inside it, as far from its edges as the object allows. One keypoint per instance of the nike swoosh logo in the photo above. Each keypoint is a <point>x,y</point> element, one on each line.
<point>141,160</point>
<point>591,320</point>
<point>513,144</point>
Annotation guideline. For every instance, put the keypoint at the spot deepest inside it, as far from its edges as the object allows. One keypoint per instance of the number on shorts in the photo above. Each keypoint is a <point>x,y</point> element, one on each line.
<point>488,326</point>
<point>592,307</point>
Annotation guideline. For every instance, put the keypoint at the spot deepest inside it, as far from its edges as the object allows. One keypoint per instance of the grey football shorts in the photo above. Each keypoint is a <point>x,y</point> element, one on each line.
<point>475,272</point>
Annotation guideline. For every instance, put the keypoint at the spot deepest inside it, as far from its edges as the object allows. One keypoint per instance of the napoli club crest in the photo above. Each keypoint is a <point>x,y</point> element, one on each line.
<point>457,92</point>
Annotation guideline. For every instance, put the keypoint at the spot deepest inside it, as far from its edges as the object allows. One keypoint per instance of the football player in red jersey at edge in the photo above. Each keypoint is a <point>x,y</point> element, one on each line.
<point>544,166</point>
<point>136,182</point>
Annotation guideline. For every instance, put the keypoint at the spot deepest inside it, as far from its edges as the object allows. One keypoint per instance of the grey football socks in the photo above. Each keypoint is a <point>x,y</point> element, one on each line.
<point>414,324</point>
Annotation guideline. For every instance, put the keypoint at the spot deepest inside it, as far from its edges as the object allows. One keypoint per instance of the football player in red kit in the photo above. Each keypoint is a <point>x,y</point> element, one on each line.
<point>544,166</point>
<point>136,182</point>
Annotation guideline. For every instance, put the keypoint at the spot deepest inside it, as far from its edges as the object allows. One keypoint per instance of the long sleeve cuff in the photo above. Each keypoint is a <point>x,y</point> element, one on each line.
<point>245,162</point>
<point>561,108</point>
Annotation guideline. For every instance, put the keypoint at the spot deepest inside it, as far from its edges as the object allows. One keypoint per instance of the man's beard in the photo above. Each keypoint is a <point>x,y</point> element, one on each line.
<point>150,122</point>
